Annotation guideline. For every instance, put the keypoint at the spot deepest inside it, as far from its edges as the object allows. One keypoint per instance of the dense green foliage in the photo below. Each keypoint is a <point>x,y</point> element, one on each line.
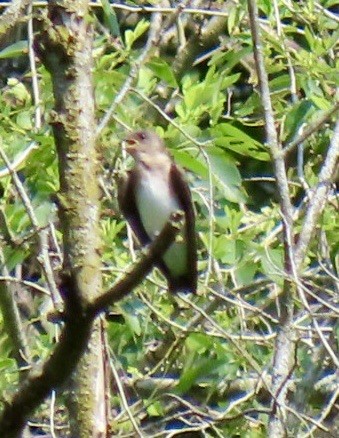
<point>194,362</point>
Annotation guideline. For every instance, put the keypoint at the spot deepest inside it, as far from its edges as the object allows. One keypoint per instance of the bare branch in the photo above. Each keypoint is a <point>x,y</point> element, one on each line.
<point>319,197</point>
<point>284,348</point>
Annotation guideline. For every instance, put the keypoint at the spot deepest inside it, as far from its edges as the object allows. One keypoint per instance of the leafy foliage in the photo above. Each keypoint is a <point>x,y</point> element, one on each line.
<point>197,363</point>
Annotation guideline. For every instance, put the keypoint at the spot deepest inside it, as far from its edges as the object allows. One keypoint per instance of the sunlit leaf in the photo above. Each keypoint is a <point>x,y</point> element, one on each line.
<point>163,71</point>
<point>14,50</point>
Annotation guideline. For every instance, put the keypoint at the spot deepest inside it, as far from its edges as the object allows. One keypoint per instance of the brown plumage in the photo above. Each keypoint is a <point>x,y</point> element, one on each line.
<point>154,189</point>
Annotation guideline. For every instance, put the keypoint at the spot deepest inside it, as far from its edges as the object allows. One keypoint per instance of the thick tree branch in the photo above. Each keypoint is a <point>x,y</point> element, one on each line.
<point>74,338</point>
<point>65,47</point>
<point>43,378</point>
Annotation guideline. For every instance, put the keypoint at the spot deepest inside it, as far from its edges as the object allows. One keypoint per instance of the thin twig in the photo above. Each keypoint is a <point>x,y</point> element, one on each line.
<point>124,399</point>
<point>35,84</point>
<point>19,159</point>
<point>314,127</point>
<point>155,28</point>
<point>43,251</point>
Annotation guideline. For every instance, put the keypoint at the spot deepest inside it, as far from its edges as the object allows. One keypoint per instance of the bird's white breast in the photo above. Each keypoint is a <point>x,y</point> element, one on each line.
<point>155,201</point>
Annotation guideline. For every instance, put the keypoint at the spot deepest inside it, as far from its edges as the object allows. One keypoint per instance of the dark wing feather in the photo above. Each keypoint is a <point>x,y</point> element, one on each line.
<point>128,206</point>
<point>180,188</point>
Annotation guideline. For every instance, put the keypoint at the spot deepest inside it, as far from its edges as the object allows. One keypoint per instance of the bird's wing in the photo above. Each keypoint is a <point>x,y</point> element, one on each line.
<point>128,206</point>
<point>182,191</point>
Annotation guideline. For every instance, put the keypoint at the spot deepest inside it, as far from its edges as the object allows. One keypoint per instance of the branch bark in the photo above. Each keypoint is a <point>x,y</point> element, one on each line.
<point>318,201</point>
<point>74,339</point>
<point>285,346</point>
<point>65,47</point>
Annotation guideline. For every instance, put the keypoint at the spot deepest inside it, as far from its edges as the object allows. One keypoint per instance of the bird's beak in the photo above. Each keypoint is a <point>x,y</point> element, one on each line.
<point>130,145</point>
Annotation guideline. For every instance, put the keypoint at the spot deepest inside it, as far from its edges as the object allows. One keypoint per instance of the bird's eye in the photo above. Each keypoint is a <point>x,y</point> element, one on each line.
<point>141,135</point>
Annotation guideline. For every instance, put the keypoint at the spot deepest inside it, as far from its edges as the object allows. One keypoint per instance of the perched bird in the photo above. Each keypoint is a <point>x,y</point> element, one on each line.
<point>153,190</point>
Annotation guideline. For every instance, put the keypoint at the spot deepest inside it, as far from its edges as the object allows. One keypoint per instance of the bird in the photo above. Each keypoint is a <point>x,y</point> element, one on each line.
<point>152,190</point>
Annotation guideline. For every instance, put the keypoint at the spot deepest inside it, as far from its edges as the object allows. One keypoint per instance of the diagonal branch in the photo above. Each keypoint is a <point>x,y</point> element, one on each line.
<point>74,338</point>
<point>314,127</point>
<point>141,269</point>
<point>318,201</point>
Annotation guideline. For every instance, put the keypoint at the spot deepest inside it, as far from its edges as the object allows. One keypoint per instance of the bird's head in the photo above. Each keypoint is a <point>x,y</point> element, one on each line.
<point>144,145</point>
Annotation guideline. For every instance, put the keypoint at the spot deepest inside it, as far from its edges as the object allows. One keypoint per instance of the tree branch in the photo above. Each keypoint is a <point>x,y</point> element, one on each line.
<point>74,338</point>
<point>50,375</point>
<point>284,348</point>
<point>141,269</point>
<point>65,47</point>
<point>314,127</point>
<point>319,198</point>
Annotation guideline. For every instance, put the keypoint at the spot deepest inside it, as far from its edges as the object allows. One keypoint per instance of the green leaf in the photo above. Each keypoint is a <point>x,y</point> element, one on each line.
<point>7,363</point>
<point>281,83</point>
<point>198,369</point>
<point>229,80</point>
<point>155,409</point>
<point>272,262</point>
<point>44,212</point>
<point>232,20</point>
<point>244,273</point>
<point>226,174</point>
<point>321,102</point>
<point>14,50</point>
<point>199,343</point>
<point>230,58</point>
<point>14,257</point>
<point>230,137</point>
<point>191,163</point>
<point>296,117</point>
<point>225,250</point>
<point>163,71</point>
<point>133,323</point>
<point>110,18</point>
<point>132,35</point>
<point>24,120</point>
